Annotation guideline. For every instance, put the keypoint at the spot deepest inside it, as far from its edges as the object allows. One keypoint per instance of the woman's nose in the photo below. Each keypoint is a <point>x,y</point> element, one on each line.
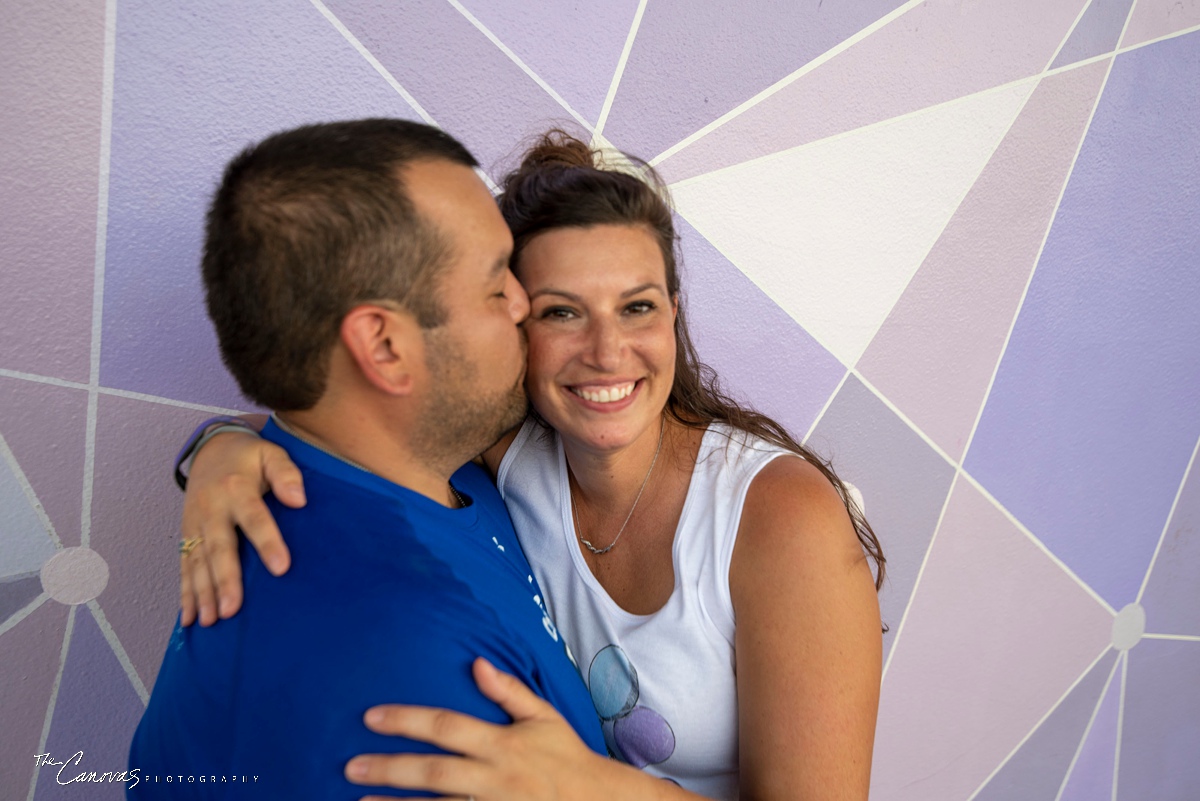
<point>606,344</point>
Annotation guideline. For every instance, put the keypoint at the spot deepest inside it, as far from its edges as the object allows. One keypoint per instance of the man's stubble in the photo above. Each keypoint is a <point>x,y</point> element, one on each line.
<point>459,420</point>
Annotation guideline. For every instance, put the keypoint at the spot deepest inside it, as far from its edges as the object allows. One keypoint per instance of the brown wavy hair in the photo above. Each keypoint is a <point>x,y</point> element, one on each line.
<point>563,183</point>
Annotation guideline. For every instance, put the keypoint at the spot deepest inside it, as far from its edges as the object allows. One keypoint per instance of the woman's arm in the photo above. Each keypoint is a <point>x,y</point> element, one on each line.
<point>224,494</point>
<point>229,475</point>
<point>808,642</point>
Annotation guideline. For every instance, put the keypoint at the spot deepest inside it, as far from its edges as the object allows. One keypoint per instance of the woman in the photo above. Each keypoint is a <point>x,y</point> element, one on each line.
<point>669,528</point>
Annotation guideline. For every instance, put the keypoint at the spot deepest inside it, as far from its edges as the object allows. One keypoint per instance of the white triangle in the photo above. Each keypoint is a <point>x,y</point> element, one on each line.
<point>25,544</point>
<point>834,230</point>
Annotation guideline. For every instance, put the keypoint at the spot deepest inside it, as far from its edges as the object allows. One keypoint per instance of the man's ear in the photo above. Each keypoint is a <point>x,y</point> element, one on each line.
<point>385,344</point>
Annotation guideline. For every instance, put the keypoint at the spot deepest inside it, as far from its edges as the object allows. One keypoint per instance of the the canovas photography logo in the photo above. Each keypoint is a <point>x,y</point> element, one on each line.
<point>71,771</point>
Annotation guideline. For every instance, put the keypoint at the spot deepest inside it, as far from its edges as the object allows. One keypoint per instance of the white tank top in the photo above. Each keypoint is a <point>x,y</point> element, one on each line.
<point>663,684</point>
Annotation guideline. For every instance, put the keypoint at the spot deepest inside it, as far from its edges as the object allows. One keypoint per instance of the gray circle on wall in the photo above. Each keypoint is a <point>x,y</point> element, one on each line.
<point>74,575</point>
<point>1128,627</point>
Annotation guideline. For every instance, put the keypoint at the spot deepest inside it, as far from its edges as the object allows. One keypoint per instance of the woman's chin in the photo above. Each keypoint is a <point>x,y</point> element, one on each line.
<point>600,437</point>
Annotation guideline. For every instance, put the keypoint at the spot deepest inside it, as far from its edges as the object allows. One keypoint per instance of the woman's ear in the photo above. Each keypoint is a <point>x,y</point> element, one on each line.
<point>385,344</point>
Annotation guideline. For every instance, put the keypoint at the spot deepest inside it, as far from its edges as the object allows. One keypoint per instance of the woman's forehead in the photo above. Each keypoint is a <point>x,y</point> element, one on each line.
<point>596,254</point>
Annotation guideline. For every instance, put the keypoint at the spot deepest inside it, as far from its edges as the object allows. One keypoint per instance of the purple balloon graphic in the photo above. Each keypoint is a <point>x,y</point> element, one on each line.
<point>644,737</point>
<point>610,740</point>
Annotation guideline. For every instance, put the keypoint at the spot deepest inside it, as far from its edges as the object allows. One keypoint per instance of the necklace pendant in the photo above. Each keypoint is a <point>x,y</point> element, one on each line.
<point>594,549</point>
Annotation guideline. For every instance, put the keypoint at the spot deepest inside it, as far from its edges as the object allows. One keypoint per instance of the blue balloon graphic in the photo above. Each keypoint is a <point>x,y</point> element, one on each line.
<point>613,683</point>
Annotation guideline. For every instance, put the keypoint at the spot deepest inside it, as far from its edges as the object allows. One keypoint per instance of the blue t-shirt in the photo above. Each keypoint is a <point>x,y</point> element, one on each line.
<point>389,599</point>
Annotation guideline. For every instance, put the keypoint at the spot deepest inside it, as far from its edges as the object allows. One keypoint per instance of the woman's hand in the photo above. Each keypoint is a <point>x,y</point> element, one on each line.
<point>538,757</point>
<point>228,478</point>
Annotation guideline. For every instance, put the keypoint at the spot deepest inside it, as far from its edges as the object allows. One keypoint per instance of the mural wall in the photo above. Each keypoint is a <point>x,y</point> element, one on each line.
<point>953,243</point>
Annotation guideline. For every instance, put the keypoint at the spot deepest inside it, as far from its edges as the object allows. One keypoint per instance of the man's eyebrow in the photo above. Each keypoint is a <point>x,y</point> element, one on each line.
<point>501,264</point>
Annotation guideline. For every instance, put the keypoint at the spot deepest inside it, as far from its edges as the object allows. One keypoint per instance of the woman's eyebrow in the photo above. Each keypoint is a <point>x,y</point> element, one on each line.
<point>638,289</point>
<point>562,293</point>
<point>552,291</point>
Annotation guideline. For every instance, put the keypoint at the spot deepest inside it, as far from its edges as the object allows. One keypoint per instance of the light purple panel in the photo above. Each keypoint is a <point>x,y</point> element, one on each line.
<point>934,355</point>
<point>1172,596</point>
<point>1097,32</point>
<point>995,635</point>
<point>936,51</point>
<point>1154,18</point>
<point>52,60</point>
<point>29,655</point>
<point>1092,416</point>
<point>757,349</point>
<point>460,78</point>
<point>1036,772</point>
<point>45,426</point>
<point>694,60</point>
<point>1160,739</point>
<point>1091,778</point>
<point>16,592</point>
<point>195,84</point>
<point>135,525</point>
<point>96,712</point>
<point>574,47</point>
<point>903,482</point>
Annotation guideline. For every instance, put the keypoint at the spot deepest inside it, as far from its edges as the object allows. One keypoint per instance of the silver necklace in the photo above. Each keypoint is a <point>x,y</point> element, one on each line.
<point>645,481</point>
<point>462,502</point>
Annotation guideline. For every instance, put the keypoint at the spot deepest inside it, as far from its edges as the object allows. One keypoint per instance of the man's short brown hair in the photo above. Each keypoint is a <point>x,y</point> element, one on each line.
<point>306,225</point>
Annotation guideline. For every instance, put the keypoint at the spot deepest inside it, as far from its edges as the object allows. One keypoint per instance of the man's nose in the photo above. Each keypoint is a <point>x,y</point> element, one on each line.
<point>518,301</point>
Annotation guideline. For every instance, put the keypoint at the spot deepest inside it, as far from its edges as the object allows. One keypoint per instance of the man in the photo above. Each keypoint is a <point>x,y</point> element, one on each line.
<point>357,275</point>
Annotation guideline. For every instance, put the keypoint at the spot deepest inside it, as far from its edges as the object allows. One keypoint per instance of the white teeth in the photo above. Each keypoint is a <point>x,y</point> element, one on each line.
<point>605,394</point>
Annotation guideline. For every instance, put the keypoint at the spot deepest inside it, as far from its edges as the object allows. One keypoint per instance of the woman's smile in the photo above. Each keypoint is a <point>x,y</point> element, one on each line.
<point>609,397</point>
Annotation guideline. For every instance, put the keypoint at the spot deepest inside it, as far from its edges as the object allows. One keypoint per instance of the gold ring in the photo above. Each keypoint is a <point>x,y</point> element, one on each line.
<point>189,545</point>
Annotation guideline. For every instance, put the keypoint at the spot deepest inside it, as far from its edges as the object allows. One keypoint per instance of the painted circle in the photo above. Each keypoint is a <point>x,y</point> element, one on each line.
<point>644,737</point>
<point>74,575</point>
<point>1128,627</point>
<point>612,682</point>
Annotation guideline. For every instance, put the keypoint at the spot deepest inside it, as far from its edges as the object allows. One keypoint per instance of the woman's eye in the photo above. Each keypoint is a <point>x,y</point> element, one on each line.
<point>640,307</point>
<point>557,313</point>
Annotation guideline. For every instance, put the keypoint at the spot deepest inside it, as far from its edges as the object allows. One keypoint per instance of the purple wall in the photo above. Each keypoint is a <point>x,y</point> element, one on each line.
<point>953,243</point>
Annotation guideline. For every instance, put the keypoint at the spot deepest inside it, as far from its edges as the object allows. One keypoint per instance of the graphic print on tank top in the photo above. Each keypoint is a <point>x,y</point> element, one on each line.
<point>636,735</point>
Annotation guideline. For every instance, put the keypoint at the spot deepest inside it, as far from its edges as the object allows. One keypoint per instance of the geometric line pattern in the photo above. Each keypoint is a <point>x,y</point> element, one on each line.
<point>62,663</point>
<point>615,83</point>
<point>1036,767</point>
<point>1139,745</point>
